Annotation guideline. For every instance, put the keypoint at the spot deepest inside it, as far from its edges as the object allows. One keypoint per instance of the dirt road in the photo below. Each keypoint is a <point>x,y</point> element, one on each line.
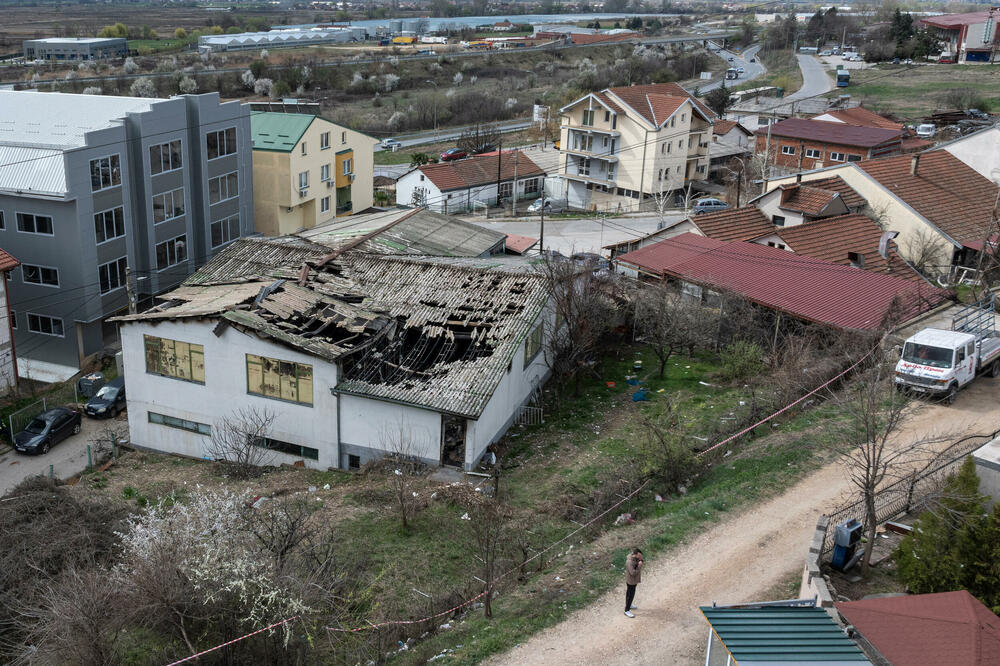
<point>734,561</point>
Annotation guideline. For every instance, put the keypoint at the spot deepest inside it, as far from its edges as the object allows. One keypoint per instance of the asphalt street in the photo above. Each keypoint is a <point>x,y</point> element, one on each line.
<point>815,80</point>
<point>751,69</point>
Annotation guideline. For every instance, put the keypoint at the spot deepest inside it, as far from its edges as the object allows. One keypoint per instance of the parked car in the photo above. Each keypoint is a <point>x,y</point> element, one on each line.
<point>740,70</point>
<point>427,52</point>
<point>730,59</point>
<point>109,401</point>
<point>753,59</point>
<point>453,154</point>
<point>390,144</point>
<point>551,206</point>
<point>709,205</point>
<point>826,53</point>
<point>485,148</point>
<point>48,428</point>
<point>926,130</point>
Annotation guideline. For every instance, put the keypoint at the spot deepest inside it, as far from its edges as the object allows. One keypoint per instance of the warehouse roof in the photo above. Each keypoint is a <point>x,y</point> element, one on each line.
<point>803,287</point>
<point>791,634</point>
<point>279,132</point>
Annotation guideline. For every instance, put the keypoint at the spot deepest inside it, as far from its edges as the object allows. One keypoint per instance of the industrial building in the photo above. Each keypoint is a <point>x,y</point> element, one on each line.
<point>94,186</point>
<point>276,39</point>
<point>75,48</point>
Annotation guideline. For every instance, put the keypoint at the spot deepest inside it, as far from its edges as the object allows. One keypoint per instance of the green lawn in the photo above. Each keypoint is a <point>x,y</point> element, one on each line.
<point>158,45</point>
<point>782,71</point>
<point>914,92</point>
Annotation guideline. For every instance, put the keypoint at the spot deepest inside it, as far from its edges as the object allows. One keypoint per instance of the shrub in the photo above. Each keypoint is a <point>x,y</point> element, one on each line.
<point>742,360</point>
<point>142,87</point>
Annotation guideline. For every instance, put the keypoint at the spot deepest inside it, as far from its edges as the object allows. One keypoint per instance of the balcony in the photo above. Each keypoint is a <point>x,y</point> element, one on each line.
<point>592,155</point>
<point>585,170</point>
<point>591,130</point>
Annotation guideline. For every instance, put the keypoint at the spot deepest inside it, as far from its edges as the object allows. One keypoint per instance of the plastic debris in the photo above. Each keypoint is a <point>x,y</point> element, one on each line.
<point>659,498</point>
<point>465,516</point>
<point>624,519</point>
<point>705,383</point>
<point>312,489</point>
<point>326,486</point>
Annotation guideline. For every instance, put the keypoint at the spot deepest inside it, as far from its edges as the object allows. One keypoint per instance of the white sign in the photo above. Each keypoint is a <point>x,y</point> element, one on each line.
<point>539,113</point>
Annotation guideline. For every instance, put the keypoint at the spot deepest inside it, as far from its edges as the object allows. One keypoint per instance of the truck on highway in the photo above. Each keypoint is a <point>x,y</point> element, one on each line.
<point>732,73</point>
<point>939,362</point>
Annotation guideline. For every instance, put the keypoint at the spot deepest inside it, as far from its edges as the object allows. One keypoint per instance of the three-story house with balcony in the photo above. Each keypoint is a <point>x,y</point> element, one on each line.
<point>623,145</point>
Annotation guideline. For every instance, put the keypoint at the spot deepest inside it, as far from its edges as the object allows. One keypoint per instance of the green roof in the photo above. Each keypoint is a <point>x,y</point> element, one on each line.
<point>799,634</point>
<point>278,131</point>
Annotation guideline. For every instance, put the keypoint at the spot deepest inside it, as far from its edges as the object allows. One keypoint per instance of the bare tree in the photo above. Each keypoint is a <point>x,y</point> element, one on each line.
<point>667,323</point>
<point>489,522</point>
<point>926,253</point>
<point>240,441</point>
<point>479,138</point>
<point>403,466</point>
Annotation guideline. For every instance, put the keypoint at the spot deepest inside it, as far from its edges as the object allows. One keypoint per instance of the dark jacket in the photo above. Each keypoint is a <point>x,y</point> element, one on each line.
<point>633,570</point>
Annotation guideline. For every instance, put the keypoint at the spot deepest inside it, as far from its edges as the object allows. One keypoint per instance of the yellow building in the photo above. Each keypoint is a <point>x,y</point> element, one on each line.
<point>307,171</point>
<point>623,145</point>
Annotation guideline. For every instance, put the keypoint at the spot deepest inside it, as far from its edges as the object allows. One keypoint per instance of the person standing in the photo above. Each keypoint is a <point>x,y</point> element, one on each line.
<point>633,576</point>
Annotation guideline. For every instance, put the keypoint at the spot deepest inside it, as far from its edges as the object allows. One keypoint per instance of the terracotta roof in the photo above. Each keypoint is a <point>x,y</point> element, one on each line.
<point>724,126</point>
<point>7,261</point>
<point>928,629</point>
<point>951,195</point>
<point>520,244</point>
<point>862,117</point>
<point>655,107</point>
<point>734,224</point>
<point>914,144</point>
<point>479,170</point>
<point>636,97</point>
<point>807,199</point>
<point>833,238</point>
<point>610,102</point>
<point>803,287</point>
<point>837,184</point>
<point>827,132</point>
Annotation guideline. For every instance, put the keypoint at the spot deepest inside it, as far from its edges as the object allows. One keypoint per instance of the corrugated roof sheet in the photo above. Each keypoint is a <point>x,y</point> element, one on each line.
<point>278,131</point>
<point>928,629</point>
<point>734,223</point>
<point>840,134</point>
<point>806,288</point>
<point>520,244</point>
<point>782,633</point>
<point>480,170</point>
<point>955,21</point>
<point>32,170</point>
<point>861,117</point>
<point>250,257</point>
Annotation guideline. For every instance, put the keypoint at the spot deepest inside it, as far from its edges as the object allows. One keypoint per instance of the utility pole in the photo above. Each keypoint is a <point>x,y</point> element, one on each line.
<point>513,189</point>
<point>541,230</point>
<point>130,291</point>
<point>499,169</point>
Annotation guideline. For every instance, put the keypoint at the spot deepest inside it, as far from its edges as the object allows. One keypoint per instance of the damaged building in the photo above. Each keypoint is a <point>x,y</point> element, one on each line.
<point>346,348</point>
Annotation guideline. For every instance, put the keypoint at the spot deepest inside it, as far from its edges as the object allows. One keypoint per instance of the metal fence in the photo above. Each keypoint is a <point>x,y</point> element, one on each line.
<point>909,493</point>
<point>23,416</point>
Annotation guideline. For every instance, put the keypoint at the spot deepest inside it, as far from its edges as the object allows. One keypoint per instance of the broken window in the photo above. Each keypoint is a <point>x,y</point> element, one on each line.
<point>532,345</point>
<point>173,358</point>
<point>282,380</point>
<point>453,441</point>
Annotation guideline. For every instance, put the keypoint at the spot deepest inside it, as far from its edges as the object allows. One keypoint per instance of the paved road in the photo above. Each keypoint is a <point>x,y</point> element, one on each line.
<point>751,69</point>
<point>68,457</point>
<point>815,80</point>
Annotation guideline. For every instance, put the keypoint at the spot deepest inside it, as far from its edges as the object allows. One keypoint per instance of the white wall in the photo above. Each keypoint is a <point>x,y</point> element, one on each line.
<point>224,390</point>
<point>369,423</point>
<point>8,378</point>
<point>980,151</point>
<point>769,205</point>
<point>411,181</point>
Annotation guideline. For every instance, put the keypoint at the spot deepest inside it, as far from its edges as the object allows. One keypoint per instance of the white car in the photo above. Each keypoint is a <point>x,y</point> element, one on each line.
<point>740,70</point>
<point>551,206</point>
<point>926,130</point>
<point>390,144</point>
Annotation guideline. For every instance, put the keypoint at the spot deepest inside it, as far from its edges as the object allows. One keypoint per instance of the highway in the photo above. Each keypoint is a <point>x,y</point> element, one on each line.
<point>751,69</point>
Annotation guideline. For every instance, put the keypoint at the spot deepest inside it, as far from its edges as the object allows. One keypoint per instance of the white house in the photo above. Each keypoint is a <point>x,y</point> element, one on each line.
<point>346,353</point>
<point>460,185</point>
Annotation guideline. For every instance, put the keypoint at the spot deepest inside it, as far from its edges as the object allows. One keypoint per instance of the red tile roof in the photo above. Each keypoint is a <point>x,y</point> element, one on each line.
<point>479,170</point>
<point>831,239</point>
<point>7,261</point>
<point>610,102</point>
<point>928,629</point>
<point>862,117</point>
<point>636,97</point>
<point>520,244</point>
<point>724,126</point>
<point>835,133</point>
<point>734,224</point>
<point>802,287</point>
<point>807,199</point>
<point>837,184</point>
<point>951,195</point>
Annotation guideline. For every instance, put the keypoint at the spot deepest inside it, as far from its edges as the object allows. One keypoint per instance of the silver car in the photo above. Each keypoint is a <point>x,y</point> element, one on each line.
<point>709,206</point>
<point>551,206</point>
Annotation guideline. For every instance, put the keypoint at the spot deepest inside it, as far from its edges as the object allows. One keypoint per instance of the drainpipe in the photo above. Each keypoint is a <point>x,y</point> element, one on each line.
<point>10,327</point>
<point>642,172</point>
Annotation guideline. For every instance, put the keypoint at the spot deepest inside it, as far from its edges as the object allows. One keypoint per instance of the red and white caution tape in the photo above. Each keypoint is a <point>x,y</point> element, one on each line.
<point>235,640</point>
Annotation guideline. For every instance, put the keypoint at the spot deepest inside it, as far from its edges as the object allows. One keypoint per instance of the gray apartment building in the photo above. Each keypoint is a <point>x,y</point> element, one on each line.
<point>90,185</point>
<point>75,48</point>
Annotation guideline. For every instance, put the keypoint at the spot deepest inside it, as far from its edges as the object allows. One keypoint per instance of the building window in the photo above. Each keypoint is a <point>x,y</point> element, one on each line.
<point>109,224</point>
<point>813,153</point>
<point>13,319</point>
<point>172,252</point>
<point>176,359</point>
<point>182,424</point>
<point>286,447</point>
<point>45,325</point>
<point>778,220</point>
<point>105,172</point>
<point>611,174</point>
<point>283,380</point>
<point>614,121</point>
<point>324,173</point>
<point>303,147</point>
<point>505,190</point>
<point>223,188</point>
<point>673,122</point>
<point>348,165</point>
<point>584,142</point>
<point>585,167</point>
<point>45,275</point>
<point>165,157</point>
<point>531,186</point>
<point>607,116</point>
<point>34,224</point>
<point>588,118</point>
<point>343,138</point>
<point>669,146</point>
<point>788,150</point>
<point>532,345</point>
<point>837,157</point>
<point>168,205</point>
<point>303,180</point>
<point>112,275</point>
<point>2,225</point>
<point>780,246</point>
<point>225,230</point>
<point>680,144</point>
<point>221,142</point>
<point>854,158</point>
<point>324,204</point>
<point>324,140</point>
<point>353,461</point>
<point>660,177</point>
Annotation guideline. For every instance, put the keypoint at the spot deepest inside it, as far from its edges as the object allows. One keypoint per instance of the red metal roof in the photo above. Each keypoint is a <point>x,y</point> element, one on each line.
<point>955,21</point>
<point>805,288</point>
<point>928,629</point>
<point>480,170</point>
<point>836,133</point>
<point>520,244</point>
<point>861,117</point>
<point>581,38</point>
<point>839,185</point>
<point>7,261</point>
<point>734,224</point>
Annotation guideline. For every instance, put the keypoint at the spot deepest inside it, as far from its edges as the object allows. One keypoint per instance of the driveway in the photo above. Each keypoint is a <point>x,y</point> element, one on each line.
<point>735,561</point>
<point>68,457</point>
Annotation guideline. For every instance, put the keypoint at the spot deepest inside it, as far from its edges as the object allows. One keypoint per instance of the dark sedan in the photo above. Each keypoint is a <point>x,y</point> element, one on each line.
<point>453,154</point>
<point>46,429</point>
<point>109,400</point>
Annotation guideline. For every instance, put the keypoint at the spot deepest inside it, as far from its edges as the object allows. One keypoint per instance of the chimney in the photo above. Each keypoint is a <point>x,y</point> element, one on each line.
<point>913,164</point>
<point>884,243</point>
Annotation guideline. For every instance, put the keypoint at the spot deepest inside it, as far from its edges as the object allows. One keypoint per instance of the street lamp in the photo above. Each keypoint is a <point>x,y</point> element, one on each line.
<point>433,83</point>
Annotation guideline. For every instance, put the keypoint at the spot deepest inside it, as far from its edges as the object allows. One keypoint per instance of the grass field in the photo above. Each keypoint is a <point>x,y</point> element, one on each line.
<point>911,93</point>
<point>782,71</point>
<point>144,46</point>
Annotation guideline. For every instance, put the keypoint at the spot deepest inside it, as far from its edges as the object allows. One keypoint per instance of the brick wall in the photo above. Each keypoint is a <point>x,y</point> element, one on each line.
<point>785,152</point>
